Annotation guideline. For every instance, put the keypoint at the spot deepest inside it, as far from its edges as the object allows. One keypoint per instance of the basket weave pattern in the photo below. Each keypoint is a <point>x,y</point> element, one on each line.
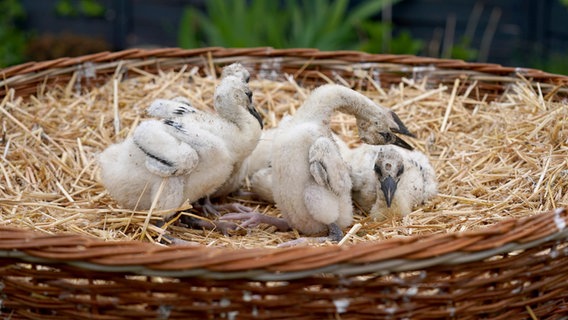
<point>516,268</point>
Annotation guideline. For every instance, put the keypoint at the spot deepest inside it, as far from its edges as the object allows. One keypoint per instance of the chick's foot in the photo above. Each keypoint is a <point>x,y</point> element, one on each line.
<point>253,219</point>
<point>335,234</point>
<point>223,226</point>
<point>214,210</point>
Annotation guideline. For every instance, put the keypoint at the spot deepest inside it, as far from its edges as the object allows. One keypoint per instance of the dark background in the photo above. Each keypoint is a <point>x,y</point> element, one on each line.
<point>523,33</point>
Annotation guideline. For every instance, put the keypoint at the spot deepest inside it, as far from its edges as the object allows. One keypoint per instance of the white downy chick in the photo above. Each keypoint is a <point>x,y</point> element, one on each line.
<point>373,170</point>
<point>256,168</point>
<point>310,180</point>
<point>259,167</point>
<point>187,154</point>
<point>389,181</point>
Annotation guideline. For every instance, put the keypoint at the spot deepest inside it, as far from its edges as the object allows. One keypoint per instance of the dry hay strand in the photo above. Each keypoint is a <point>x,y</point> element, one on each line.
<point>494,160</point>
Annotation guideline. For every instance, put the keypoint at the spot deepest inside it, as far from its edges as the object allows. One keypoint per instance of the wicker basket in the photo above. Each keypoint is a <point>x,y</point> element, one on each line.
<point>514,269</point>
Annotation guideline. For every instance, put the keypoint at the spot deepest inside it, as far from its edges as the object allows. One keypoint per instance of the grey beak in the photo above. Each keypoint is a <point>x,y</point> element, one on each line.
<point>257,115</point>
<point>388,186</point>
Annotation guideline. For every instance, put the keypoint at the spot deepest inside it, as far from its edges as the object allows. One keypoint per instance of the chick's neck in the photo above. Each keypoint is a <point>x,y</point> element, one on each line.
<point>326,100</point>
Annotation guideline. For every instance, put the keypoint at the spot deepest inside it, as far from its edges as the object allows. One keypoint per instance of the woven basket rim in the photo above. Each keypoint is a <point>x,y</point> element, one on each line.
<point>400,254</point>
<point>278,264</point>
<point>14,74</point>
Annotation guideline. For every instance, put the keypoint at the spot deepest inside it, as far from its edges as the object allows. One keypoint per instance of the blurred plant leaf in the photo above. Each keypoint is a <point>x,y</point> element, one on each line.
<point>12,38</point>
<point>374,36</point>
<point>65,8</point>
<point>13,46</point>
<point>92,8</point>
<point>187,33</point>
<point>463,50</point>
<point>367,9</point>
<point>555,62</point>
<point>404,43</point>
<point>87,8</point>
<point>11,10</point>
<point>378,40</point>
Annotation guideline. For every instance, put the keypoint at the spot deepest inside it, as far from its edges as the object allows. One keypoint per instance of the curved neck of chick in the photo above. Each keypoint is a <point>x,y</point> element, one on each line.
<point>327,99</point>
<point>243,129</point>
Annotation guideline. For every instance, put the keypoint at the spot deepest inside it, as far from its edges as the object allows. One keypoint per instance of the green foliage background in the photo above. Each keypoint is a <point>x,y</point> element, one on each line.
<point>322,24</point>
<point>12,38</point>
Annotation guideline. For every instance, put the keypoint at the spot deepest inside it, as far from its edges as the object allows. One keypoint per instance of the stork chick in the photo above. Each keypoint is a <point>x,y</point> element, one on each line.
<point>310,180</point>
<point>389,181</point>
<point>186,155</point>
<point>259,167</point>
<point>386,180</point>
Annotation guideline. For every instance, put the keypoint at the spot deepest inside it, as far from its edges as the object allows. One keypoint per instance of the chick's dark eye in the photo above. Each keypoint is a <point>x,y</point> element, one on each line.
<point>247,79</point>
<point>378,170</point>
<point>400,171</point>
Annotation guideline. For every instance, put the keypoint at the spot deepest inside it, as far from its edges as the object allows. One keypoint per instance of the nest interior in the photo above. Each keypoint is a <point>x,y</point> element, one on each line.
<point>496,157</point>
<point>496,136</point>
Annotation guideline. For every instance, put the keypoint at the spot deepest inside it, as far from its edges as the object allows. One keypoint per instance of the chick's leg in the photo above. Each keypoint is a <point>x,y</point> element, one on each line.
<point>335,235</point>
<point>193,222</point>
<point>167,238</point>
<point>214,210</point>
<point>252,219</point>
<point>335,232</point>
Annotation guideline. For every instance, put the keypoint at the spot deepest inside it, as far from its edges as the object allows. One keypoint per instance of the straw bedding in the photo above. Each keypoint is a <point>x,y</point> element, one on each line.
<point>494,160</point>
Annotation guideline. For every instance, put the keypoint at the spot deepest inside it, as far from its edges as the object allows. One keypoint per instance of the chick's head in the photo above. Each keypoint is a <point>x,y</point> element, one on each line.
<point>236,70</point>
<point>232,96</point>
<point>378,132</point>
<point>388,167</point>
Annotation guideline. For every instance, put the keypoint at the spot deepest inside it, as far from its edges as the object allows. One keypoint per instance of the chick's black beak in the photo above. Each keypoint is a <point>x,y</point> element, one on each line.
<point>402,129</point>
<point>401,143</point>
<point>391,138</point>
<point>257,115</point>
<point>388,186</point>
